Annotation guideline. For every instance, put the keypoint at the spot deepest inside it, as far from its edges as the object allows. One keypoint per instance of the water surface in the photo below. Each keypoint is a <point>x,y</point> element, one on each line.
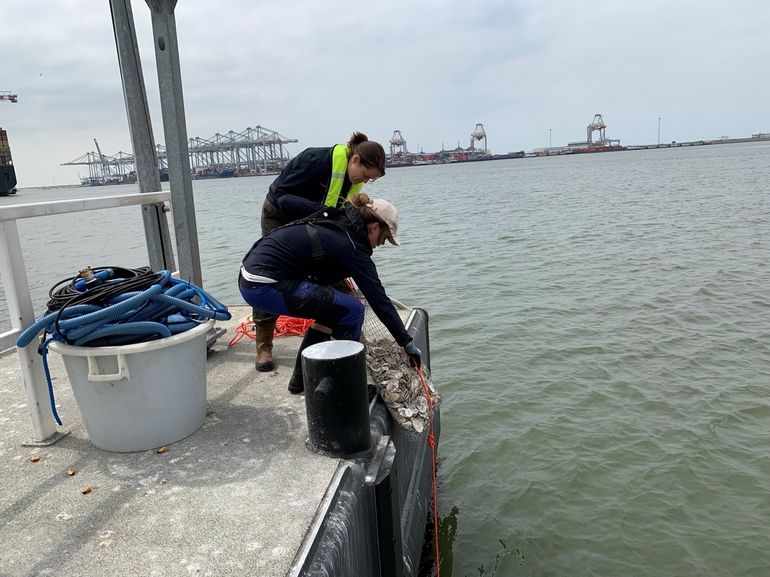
<point>600,329</point>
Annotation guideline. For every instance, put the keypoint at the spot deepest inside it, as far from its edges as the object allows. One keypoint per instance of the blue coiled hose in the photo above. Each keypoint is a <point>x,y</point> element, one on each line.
<point>169,307</point>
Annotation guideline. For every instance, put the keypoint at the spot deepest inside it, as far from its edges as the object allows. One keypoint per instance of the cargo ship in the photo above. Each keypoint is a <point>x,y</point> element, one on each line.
<point>213,172</point>
<point>7,172</point>
<point>447,157</point>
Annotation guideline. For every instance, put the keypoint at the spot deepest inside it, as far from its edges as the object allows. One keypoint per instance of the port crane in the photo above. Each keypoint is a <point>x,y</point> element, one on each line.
<point>598,125</point>
<point>397,146</point>
<point>4,95</point>
<point>256,150</point>
<point>102,159</point>
<point>478,134</point>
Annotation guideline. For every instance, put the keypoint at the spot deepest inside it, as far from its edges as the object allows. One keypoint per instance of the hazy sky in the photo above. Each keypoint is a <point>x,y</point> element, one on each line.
<point>316,70</point>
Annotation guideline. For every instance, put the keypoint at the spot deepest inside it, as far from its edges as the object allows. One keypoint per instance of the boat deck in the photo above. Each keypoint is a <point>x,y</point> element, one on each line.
<point>236,497</point>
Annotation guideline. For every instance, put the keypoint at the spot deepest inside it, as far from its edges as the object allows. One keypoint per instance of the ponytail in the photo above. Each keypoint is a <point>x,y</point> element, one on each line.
<point>371,153</point>
<point>355,139</point>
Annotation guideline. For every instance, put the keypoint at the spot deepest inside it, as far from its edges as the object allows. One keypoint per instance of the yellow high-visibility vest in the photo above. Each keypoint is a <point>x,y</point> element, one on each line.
<point>339,168</point>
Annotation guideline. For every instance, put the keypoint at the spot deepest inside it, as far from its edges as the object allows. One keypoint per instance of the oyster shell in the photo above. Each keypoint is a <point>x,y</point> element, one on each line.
<point>399,386</point>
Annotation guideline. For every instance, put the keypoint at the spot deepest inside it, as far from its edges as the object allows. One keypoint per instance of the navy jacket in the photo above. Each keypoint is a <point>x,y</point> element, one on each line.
<point>287,254</point>
<point>307,175</point>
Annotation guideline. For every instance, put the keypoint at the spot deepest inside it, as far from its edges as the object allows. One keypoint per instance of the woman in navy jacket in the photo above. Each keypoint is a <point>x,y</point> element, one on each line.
<point>325,176</point>
<point>289,272</point>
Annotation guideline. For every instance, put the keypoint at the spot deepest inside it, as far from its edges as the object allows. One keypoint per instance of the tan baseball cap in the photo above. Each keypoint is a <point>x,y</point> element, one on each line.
<point>389,215</point>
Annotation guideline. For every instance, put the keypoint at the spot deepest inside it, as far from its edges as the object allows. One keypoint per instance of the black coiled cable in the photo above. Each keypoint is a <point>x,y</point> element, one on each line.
<point>64,293</point>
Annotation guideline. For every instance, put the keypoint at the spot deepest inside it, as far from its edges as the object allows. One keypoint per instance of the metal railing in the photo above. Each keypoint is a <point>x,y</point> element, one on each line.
<point>19,299</point>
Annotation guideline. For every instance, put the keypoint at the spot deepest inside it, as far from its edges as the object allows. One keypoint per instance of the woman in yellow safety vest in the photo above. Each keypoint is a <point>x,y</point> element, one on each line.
<point>314,178</point>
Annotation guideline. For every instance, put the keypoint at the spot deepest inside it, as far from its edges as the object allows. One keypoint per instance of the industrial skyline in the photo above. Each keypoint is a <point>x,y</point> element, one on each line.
<point>533,73</point>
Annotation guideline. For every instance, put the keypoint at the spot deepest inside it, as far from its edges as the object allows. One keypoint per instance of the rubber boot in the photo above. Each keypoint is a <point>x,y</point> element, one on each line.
<point>312,337</point>
<point>264,342</point>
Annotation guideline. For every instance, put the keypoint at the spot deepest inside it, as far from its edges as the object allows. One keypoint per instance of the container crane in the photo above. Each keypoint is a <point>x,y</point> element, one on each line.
<point>597,125</point>
<point>397,146</point>
<point>103,160</point>
<point>478,134</point>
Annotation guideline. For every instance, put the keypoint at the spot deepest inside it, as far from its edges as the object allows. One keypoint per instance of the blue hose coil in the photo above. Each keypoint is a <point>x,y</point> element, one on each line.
<point>164,309</point>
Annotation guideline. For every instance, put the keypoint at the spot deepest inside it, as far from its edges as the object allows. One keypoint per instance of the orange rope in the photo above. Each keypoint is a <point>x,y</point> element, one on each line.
<point>284,326</point>
<point>245,329</point>
<point>432,445</point>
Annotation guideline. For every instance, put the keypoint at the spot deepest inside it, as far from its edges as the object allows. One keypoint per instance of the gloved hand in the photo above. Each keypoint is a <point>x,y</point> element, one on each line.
<point>413,353</point>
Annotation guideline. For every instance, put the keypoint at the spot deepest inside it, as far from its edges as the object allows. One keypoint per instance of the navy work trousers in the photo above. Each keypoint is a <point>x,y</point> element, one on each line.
<point>341,312</point>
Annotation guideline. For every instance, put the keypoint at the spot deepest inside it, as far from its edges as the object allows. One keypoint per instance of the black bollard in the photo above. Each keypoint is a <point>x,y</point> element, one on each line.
<point>335,398</point>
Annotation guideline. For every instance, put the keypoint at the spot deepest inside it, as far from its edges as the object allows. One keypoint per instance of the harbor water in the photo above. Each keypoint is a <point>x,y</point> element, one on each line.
<point>600,330</point>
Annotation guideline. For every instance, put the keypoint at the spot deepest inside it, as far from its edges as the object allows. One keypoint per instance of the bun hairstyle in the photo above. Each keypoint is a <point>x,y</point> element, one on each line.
<point>360,200</point>
<point>379,211</point>
<point>364,204</point>
<point>357,138</point>
<point>371,153</point>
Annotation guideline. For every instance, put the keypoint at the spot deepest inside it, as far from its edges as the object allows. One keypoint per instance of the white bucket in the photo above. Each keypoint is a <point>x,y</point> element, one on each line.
<point>141,396</point>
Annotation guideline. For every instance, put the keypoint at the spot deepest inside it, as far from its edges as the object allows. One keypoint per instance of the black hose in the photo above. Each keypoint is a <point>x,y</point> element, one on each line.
<point>64,294</point>
<point>123,280</point>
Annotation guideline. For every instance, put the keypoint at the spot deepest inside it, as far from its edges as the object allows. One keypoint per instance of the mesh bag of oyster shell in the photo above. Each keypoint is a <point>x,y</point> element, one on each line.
<point>396,381</point>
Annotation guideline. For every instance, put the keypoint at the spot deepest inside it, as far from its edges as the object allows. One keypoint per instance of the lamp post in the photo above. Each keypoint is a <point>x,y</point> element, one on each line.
<point>549,138</point>
<point>658,130</point>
